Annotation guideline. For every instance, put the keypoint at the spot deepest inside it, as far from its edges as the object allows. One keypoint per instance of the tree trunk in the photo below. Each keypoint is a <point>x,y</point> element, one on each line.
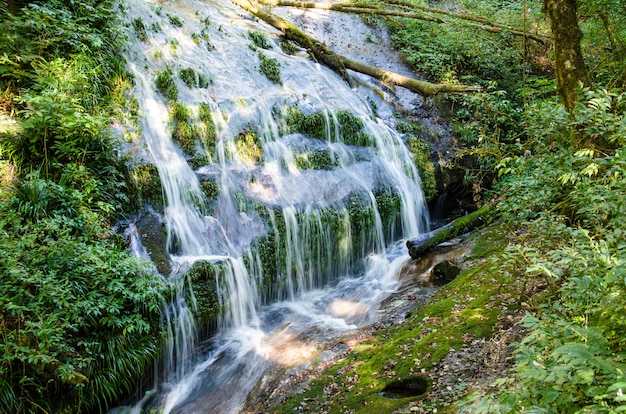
<point>569,64</point>
<point>339,63</point>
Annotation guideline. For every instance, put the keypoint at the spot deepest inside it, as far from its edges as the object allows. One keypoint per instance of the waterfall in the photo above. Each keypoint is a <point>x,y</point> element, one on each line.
<point>313,195</point>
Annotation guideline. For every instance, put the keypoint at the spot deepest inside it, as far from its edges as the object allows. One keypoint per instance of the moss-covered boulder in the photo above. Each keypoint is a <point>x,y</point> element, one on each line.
<point>202,277</point>
<point>153,235</point>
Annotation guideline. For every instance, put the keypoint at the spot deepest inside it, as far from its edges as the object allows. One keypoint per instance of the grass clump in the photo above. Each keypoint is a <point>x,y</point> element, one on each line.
<point>259,39</point>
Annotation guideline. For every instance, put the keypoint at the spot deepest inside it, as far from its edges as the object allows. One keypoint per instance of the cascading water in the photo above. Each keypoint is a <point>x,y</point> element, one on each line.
<point>311,187</point>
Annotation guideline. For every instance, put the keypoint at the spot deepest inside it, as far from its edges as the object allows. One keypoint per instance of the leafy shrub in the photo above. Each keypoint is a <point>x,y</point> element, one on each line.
<point>572,198</point>
<point>80,313</point>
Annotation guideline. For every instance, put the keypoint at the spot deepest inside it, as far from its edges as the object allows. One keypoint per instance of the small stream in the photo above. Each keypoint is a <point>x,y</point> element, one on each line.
<point>328,279</point>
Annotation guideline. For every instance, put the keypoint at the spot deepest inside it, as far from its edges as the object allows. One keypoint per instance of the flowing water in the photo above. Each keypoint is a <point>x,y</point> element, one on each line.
<point>335,248</point>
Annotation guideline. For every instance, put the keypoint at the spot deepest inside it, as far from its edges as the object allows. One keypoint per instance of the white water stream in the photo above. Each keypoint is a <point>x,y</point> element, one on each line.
<point>327,283</point>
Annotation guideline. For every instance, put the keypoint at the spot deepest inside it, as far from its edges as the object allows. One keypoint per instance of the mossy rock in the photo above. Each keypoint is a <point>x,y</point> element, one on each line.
<point>341,126</point>
<point>146,184</point>
<point>422,156</point>
<point>202,277</point>
<point>153,234</point>
<point>316,160</point>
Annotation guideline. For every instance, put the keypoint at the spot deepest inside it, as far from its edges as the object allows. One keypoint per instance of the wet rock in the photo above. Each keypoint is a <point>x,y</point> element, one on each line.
<point>444,272</point>
<point>203,294</point>
<point>153,236</point>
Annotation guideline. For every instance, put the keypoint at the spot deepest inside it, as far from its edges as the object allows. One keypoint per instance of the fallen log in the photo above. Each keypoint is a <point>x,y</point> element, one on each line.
<point>339,63</point>
<point>421,244</point>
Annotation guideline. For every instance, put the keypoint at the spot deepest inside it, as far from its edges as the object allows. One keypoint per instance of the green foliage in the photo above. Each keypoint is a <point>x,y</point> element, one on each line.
<point>184,133</point>
<point>249,146</point>
<point>270,67</point>
<point>342,126</point>
<point>572,198</point>
<point>79,315</point>
<point>79,312</point>
<point>140,29</point>
<point>259,39</point>
<point>165,84</point>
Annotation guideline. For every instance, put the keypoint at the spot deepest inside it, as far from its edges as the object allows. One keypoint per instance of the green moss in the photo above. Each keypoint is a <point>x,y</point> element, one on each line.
<point>249,146</point>
<point>351,129</point>
<point>288,47</point>
<point>203,81</point>
<point>146,184</point>
<point>270,67</point>
<point>165,84</point>
<point>316,160</point>
<point>202,277</point>
<point>348,128</point>
<point>491,240</point>
<point>188,75</point>
<point>184,136</point>
<point>184,133</point>
<point>208,135</point>
<point>180,112</point>
<point>422,157</point>
<point>210,188</point>
<point>389,206</point>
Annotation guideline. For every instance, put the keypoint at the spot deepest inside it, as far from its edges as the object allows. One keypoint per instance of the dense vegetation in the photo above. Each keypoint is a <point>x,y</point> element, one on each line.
<point>79,315</point>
